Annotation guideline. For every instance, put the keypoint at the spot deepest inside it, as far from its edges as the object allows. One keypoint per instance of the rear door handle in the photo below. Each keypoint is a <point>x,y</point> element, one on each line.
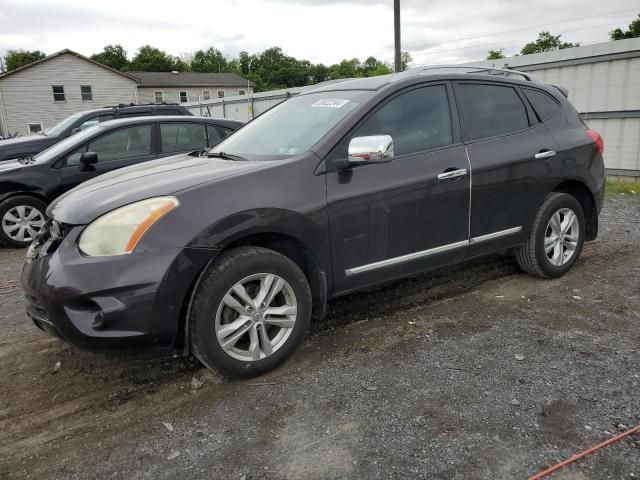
<point>452,174</point>
<point>545,154</point>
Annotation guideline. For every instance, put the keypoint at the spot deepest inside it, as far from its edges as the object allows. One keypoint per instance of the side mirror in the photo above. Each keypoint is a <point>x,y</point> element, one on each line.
<point>87,159</point>
<point>370,149</point>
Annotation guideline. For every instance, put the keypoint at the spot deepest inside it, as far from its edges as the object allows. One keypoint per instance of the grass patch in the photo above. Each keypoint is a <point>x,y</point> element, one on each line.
<point>616,187</point>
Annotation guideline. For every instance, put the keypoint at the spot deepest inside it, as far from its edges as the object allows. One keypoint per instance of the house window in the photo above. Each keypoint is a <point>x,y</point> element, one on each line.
<point>206,95</point>
<point>34,128</point>
<point>220,93</point>
<point>242,92</point>
<point>184,97</point>
<point>158,96</point>
<point>87,94</point>
<point>58,93</point>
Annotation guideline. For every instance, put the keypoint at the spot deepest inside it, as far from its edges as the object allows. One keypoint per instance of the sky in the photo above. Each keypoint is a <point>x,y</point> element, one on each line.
<point>324,31</point>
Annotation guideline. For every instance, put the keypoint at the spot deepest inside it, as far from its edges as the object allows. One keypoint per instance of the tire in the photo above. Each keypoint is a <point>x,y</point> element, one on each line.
<point>211,312</point>
<point>10,210</point>
<point>531,255</point>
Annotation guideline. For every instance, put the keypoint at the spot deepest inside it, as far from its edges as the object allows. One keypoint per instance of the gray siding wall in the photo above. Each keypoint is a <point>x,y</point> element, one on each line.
<point>27,95</point>
<point>171,94</point>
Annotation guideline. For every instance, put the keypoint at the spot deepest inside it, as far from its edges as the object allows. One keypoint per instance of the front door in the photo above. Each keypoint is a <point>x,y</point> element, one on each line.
<point>116,149</point>
<point>392,219</point>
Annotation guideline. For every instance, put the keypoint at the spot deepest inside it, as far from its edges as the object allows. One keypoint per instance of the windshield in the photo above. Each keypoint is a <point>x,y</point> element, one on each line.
<point>292,127</point>
<point>63,125</point>
<point>68,143</point>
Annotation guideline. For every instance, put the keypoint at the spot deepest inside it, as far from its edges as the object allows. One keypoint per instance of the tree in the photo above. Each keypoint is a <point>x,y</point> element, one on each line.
<point>633,32</point>
<point>405,60</point>
<point>546,43</point>
<point>19,58</point>
<point>496,54</point>
<point>114,56</point>
<point>211,60</point>
<point>151,59</point>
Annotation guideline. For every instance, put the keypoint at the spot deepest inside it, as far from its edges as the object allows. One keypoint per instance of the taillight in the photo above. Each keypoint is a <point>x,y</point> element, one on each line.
<point>597,139</point>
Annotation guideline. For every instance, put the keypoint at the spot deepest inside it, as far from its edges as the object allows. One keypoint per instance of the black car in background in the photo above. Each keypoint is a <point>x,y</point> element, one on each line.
<point>27,185</point>
<point>343,187</point>
<point>21,147</point>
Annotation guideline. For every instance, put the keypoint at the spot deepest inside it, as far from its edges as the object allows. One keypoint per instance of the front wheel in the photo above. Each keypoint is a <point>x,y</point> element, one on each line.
<point>21,219</point>
<point>556,238</point>
<point>250,312</point>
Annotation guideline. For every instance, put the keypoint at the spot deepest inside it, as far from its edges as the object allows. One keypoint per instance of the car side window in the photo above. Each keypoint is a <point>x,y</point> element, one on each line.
<point>542,103</point>
<point>490,110</point>
<point>95,120</point>
<point>117,145</point>
<point>417,120</point>
<point>214,135</point>
<point>182,137</point>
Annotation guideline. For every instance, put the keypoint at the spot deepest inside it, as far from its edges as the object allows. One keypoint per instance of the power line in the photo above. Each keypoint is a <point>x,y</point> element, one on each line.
<point>418,54</point>
<point>517,29</point>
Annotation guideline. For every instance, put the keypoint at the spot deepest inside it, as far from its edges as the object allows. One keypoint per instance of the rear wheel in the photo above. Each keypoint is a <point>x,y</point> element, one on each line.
<point>556,238</point>
<point>21,219</point>
<point>250,312</point>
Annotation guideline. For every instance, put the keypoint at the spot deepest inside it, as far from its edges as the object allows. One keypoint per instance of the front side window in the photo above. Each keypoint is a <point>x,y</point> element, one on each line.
<point>206,95</point>
<point>490,110</point>
<point>293,126</point>
<point>184,97</point>
<point>182,137</point>
<point>417,120</point>
<point>95,120</point>
<point>158,96</point>
<point>58,93</point>
<point>86,93</point>
<point>543,104</point>
<point>120,144</point>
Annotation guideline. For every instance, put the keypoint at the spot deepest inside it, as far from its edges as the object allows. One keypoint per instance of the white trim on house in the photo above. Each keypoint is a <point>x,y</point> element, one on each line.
<point>155,96</point>
<point>186,93</point>
<point>207,96</point>
<point>89,93</point>
<point>53,92</point>
<point>34,123</point>
<point>220,93</point>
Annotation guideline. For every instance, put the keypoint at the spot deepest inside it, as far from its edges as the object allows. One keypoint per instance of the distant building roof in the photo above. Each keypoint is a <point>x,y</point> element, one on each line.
<point>66,51</point>
<point>189,79</point>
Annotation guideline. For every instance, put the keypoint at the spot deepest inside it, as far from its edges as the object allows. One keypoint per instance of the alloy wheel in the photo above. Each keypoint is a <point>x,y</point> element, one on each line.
<point>22,223</point>
<point>561,236</point>
<point>256,317</point>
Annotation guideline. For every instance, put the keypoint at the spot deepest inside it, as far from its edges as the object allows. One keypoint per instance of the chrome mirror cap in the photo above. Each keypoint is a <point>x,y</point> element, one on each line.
<point>370,149</point>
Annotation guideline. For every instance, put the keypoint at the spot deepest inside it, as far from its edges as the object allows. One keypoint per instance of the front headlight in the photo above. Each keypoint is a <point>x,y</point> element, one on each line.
<point>119,231</point>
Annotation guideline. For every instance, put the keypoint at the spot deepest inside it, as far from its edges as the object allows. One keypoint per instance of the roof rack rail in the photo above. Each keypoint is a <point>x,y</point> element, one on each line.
<point>123,105</point>
<point>428,69</point>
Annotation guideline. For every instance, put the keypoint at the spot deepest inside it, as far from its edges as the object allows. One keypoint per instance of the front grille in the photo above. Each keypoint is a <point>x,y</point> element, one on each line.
<point>48,239</point>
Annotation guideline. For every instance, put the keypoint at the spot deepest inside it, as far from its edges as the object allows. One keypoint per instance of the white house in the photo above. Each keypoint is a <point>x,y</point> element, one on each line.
<point>39,95</point>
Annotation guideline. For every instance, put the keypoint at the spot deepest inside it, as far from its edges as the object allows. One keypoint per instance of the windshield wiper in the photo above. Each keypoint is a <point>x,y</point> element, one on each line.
<point>226,156</point>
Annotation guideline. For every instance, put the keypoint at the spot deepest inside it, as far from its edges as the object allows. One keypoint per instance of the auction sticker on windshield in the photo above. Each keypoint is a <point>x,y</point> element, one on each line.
<point>330,103</point>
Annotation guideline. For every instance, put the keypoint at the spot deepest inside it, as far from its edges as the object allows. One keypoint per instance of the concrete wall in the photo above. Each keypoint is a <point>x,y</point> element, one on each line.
<point>27,96</point>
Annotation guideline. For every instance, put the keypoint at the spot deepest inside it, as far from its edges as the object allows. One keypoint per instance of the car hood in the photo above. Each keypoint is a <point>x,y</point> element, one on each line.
<point>19,143</point>
<point>10,166</point>
<point>168,176</point>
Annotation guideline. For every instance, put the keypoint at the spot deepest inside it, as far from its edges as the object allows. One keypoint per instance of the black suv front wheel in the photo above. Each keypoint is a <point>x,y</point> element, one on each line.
<point>556,238</point>
<point>250,312</point>
<point>21,218</point>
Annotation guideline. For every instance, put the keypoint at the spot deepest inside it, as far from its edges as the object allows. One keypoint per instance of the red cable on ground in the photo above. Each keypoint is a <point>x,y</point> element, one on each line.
<point>584,453</point>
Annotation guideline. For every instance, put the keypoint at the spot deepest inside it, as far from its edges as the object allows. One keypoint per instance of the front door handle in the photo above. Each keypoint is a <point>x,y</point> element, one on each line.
<point>545,154</point>
<point>449,174</point>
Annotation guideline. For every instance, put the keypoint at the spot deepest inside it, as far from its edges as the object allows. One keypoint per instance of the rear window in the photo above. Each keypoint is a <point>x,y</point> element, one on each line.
<point>543,104</point>
<point>491,110</point>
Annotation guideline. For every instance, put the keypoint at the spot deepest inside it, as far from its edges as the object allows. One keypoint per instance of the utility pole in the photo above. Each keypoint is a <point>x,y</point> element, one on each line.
<point>396,31</point>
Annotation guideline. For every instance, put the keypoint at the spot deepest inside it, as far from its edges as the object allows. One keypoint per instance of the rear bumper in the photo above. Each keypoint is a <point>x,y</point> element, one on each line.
<point>126,302</point>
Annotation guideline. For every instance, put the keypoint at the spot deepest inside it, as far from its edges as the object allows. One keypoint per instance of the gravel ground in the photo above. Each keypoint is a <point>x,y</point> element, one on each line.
<point>476,371</point>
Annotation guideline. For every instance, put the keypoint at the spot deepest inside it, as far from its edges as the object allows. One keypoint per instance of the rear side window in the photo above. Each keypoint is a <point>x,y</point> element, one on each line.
<point>182,137</point>
<point>543,104</point>
<point>490,110</point>
<point>417,120</point>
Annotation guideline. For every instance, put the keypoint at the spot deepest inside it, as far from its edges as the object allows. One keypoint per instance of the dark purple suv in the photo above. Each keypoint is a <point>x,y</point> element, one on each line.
<point>351,184</point>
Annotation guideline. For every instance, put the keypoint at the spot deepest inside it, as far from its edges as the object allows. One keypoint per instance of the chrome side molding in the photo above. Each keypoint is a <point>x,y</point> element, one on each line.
<point>431,251</point>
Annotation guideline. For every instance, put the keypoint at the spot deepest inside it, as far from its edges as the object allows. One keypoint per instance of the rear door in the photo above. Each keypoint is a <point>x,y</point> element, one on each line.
<point>392,219</point>
<point>115,149</point>
<point>508,152</point>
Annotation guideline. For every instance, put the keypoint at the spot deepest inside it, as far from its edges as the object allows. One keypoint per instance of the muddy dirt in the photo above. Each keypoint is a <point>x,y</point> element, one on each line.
<point>477,371</point>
